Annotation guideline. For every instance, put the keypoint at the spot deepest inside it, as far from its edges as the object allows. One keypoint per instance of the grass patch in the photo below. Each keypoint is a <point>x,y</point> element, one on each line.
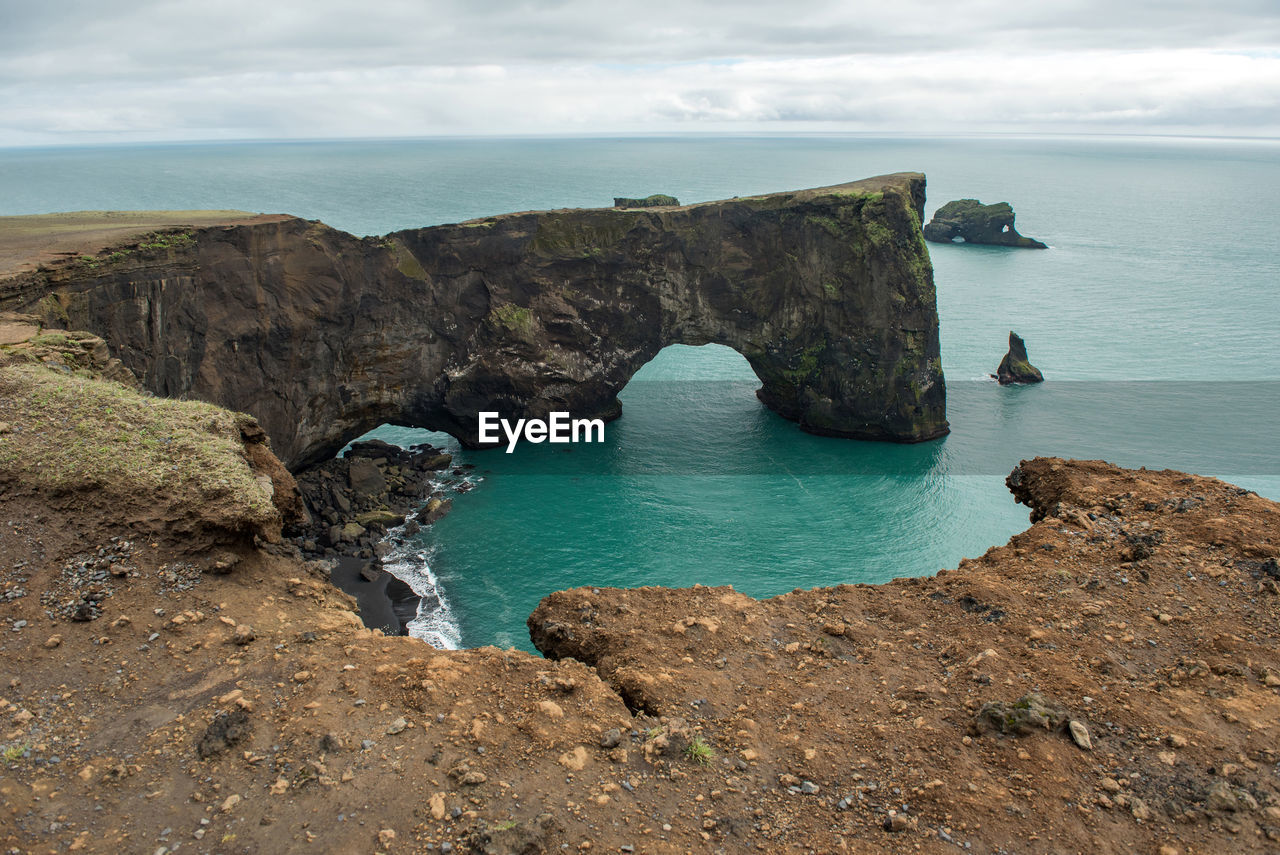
<point>167,240</point>
<point>73,433</point>
<point>13,753</point>
<point>699,751</point>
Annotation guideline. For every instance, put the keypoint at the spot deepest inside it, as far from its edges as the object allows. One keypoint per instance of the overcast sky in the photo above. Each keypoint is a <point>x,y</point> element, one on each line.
<point>83,71</point>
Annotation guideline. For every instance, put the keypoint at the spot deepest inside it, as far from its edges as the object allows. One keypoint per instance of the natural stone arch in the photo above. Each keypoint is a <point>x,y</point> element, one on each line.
<point>827,293</point>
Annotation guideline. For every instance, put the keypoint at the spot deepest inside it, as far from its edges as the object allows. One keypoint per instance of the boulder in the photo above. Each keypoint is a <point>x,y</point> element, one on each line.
<point>435,509</point>
<point>384,518</point>
<point>366,478</point>
<point>1032,711</point>
<point>1015,368</point>
<point>970,221</point>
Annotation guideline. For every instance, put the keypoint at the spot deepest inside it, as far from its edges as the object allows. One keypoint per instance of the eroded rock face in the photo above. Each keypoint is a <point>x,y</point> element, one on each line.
<point>828,294</point>
<point>1015,368</point>
<point>973,222</point>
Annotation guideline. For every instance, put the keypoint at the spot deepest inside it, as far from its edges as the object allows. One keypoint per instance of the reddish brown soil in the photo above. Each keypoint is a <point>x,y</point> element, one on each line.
<point>867,693</point>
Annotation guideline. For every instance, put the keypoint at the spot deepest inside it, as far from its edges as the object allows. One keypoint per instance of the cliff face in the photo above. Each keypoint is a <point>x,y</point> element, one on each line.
<point>828,294</point>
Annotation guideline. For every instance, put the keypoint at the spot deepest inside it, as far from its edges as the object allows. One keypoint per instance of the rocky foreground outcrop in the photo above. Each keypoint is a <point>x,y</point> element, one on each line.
<point>970,221</point>
<point>322,336</point>
<point>1109,680</point>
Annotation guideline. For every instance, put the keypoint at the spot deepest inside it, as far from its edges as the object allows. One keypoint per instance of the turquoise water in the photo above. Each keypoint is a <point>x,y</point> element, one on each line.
<point>1153,315</point>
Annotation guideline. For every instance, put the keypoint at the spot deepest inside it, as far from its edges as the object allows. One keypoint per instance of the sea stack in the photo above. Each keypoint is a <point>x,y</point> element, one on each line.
<point>973,222</point>
<point>1015,368</point>
<point>657,200</point>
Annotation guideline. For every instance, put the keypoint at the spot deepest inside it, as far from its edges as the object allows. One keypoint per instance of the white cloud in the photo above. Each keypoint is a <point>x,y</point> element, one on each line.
<point>182,70</point>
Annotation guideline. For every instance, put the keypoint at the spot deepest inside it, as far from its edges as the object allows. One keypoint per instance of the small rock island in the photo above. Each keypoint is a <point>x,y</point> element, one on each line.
<point>657,200</point>
<point>973,222</point>
<point>1015,368</point>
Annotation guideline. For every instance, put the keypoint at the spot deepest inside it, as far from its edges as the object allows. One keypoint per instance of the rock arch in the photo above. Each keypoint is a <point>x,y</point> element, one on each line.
<point>828,293</point>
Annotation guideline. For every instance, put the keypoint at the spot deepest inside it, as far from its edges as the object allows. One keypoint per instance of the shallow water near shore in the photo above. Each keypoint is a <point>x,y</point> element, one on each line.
<point>1152,314</point>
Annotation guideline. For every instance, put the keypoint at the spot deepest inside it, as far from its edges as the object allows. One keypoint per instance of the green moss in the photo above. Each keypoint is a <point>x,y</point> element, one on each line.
<point>805,364</point>
<point>827,224</point>
<point>514,318</point>
<point>408,264</point>
<point>71,433</point>
<point>51,310</point>
<point>831,289</point>
<point>573,235</point>
<point>878,234</point>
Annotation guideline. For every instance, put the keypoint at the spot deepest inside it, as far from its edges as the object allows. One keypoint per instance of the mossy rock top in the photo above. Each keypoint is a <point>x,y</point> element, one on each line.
<point>657,200</point>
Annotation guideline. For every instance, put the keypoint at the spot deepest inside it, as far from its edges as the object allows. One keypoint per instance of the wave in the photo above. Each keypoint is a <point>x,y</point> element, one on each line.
<point>435,622</point>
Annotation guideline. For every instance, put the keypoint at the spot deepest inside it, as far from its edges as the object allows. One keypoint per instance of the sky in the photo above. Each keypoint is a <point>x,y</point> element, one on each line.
<point>94,71</point>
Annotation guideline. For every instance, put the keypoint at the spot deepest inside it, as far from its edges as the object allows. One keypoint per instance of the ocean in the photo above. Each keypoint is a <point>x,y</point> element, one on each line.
<point>1152,315</point>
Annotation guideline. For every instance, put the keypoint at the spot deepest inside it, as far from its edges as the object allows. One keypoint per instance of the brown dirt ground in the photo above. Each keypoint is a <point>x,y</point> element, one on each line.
<point>26,242</point>
<point>1153,622</point>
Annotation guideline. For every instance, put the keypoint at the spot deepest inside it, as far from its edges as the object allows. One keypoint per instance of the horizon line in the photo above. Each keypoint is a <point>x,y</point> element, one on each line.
<point>629,135</point>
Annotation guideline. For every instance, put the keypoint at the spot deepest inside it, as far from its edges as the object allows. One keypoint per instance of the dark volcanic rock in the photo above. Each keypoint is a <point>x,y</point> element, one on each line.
<point>828,293</point>
<point>226,730</point>
<point>657,200</point>
<point>352,502</point>
<point>365,477</point>
<point>1015,368</point>
<point>973,222</point>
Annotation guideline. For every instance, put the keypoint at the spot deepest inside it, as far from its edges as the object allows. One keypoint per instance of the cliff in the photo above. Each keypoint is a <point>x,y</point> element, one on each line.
<point>828,293</point>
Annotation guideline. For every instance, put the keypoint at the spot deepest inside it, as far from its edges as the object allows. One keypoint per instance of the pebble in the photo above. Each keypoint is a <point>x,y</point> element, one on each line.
<point>397,726</point>
<point>1080,734</point>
